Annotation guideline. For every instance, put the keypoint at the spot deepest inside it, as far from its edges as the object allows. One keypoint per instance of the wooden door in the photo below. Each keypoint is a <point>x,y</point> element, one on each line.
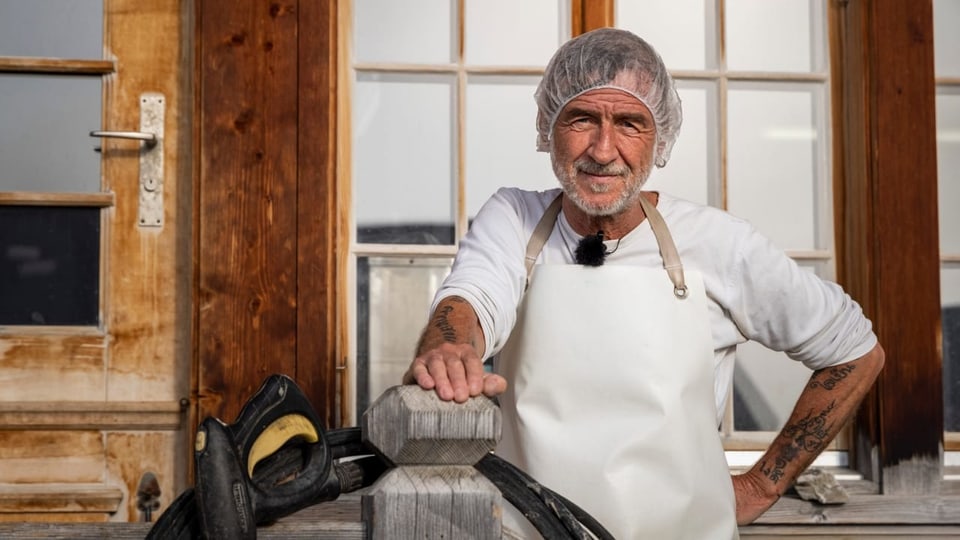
<point>95,382</point>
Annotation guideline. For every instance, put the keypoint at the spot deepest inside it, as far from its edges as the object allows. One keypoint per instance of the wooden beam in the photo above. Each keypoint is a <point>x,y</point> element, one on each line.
<point>23,198</point>
<point>247,207</point>
<point>887,232</point>
<point>587,15</point>
<point>22,64</point>
<point>318,292</point>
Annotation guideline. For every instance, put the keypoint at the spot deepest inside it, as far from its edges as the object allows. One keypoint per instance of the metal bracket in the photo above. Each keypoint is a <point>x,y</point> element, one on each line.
<point>151,161</point>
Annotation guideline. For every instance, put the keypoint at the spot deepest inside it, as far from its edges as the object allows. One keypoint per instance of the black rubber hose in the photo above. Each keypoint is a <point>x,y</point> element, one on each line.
<point>516,491</point>
<point>588,521</point>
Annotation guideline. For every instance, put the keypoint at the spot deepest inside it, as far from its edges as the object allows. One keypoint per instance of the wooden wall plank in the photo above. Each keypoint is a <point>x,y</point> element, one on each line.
<point>317,231</point>
<point>247,199</point>
<point>889,235</point>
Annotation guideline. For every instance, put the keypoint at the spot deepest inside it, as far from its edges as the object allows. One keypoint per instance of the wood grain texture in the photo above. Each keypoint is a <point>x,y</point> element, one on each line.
<point>84,415</point>
<point>39,457</point>
<point>268,280</point>
<point>26,64</point>
<point>413,426</point>
<point>433,502</point>
<point>888,239</point>
<point>59,499</point>
<point>130,454</point>
<point>247,208</point>
<point>318,235</point>
<point>37,366</point>
<point>142,267</point>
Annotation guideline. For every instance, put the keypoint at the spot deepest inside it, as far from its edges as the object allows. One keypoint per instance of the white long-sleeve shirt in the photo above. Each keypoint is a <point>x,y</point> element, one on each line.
<point>754,290</point>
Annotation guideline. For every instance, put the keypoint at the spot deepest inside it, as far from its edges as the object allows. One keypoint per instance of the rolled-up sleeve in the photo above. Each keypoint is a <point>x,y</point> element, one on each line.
<point>488,271</point>
<point>787,308</point>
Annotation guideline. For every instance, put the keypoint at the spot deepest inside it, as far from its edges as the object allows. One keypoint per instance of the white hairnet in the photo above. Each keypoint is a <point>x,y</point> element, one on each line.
<point>609,58</point>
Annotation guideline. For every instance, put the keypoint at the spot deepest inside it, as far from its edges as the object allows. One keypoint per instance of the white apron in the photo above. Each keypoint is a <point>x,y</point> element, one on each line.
<point>610,399</point>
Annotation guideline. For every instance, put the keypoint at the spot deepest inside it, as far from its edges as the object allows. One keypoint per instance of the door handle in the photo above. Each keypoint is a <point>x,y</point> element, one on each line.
<point>150,202</point>
<point>149,138</point>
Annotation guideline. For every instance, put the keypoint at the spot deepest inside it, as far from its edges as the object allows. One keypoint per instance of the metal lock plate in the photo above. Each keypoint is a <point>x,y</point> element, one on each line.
<point>150,213</point>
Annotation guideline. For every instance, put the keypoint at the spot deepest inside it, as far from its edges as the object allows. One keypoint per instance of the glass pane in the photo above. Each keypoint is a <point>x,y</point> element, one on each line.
<point>766,385</point>
<point>501,139</point>
<point>511,33</point>
<point>403,158</point>
<point>393,303</point>
<point>52,28</point>
<point>417,31</point>
<point>49,265</point>
<point>693,170</point>
<point>45,122</point>
<point>950,299</point>
<point>774,150</point>
<point>682,31</point>
<point>946,39</point>
<point>948,170</point>
<point>784,35</point>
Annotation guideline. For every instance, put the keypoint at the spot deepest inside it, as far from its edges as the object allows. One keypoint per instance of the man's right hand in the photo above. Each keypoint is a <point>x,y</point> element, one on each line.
<point>455,371</point>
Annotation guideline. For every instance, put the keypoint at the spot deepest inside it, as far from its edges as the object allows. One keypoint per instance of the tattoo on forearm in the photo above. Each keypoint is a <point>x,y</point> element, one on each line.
<point>832,376</point>
<point>442,323</point>
<point>810,434</point>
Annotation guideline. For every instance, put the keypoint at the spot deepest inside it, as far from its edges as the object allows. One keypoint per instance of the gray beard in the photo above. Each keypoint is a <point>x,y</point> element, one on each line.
<point>629,196</point>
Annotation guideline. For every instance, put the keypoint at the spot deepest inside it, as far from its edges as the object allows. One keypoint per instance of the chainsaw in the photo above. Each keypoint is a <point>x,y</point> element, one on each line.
<point>276,458</point>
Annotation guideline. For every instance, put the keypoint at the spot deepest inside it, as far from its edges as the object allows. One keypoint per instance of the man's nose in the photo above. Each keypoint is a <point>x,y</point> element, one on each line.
<point>603,150</point>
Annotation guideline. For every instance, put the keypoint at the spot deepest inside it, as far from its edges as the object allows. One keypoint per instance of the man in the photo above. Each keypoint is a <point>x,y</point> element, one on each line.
<point>619,367</point>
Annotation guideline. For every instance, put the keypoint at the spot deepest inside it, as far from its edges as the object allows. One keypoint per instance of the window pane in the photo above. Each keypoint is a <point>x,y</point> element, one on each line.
<point>766,383</point>
<point>45,122</point>
<point>54,28</point>
<point>501,139</point>
<point>948,169</point>
<point>781,35</point>
<point>946,39</point>
<point>511,33</point>
<point>49,265</point>
<point>682,31</point>
<point>393,302</point>
<point>403,158</point>
<point>773,154</point>
<point>950,300</point>
<point>414,31</point>
<point>693,170</point>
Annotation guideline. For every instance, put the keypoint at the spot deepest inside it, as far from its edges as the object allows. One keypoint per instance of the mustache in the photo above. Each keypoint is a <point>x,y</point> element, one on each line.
<point>592,167</point>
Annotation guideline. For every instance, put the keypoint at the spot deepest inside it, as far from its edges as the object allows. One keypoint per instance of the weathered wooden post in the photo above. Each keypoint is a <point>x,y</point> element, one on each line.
<point>433,491</point>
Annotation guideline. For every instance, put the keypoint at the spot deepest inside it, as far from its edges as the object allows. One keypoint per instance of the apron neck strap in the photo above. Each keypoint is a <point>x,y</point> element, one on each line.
<point>668,250</point>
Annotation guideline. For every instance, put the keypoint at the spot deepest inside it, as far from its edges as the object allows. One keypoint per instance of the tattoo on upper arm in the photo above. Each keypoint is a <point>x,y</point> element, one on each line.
<point>831,376</point>
<point>442,323</point>
<point>809,434</point>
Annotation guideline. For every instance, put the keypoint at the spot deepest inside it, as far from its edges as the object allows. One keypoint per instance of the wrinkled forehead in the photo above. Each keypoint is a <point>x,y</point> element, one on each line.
<point>626,83</point>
